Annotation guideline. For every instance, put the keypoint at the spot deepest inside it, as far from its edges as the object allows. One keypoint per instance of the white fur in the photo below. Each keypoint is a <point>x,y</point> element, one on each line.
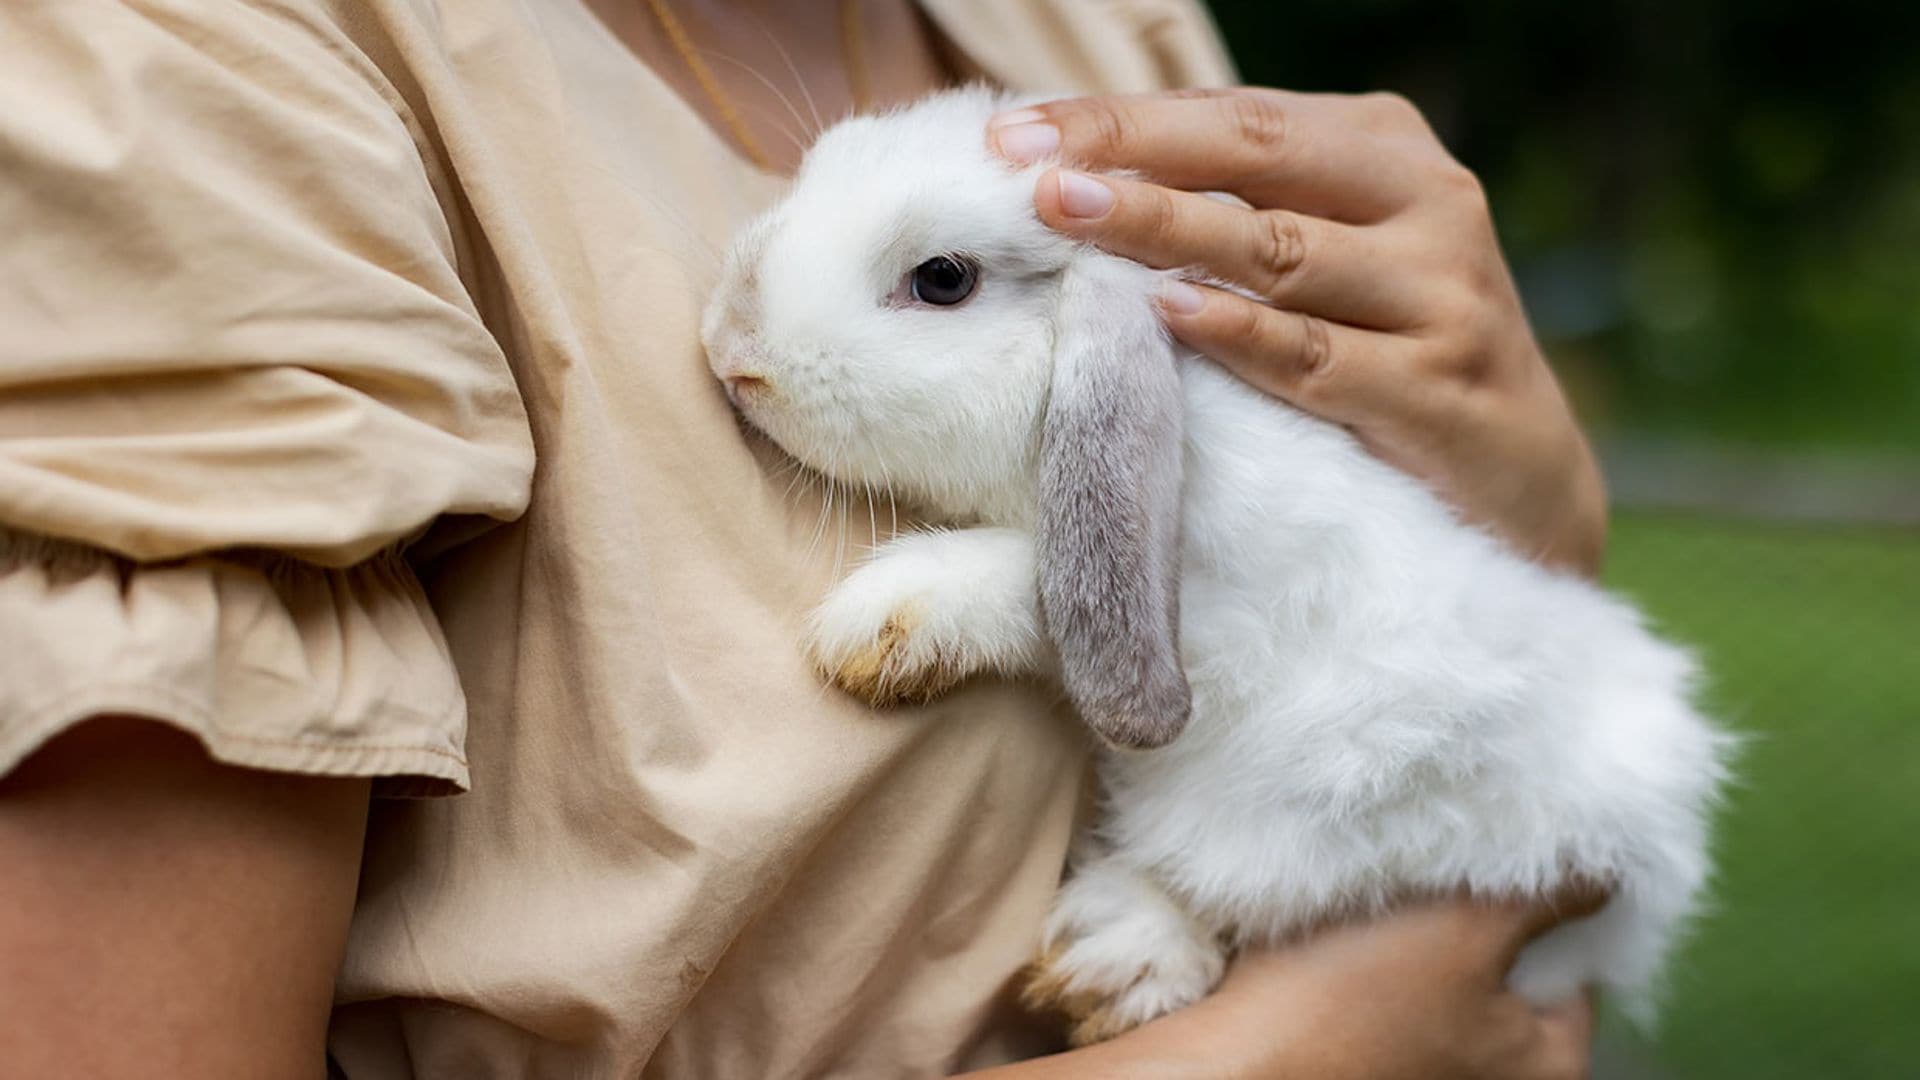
<point>1123,938</point>
<point>1385,701</point>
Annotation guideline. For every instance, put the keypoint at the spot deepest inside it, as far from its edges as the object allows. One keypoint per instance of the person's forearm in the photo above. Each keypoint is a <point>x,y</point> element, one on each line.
<point>1205,1041</point>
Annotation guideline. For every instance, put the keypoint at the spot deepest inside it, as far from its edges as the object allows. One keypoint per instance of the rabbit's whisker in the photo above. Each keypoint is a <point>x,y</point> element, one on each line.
<point>873,522</point>
<point>826,520</point>
<point>798,477</point>
<point>806,95</point>
<point>799,141</point>
<point>840,539</point>
<point>819,522</point>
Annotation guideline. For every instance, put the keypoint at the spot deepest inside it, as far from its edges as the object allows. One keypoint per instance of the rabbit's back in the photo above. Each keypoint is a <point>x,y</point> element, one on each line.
<point>1387,700</point>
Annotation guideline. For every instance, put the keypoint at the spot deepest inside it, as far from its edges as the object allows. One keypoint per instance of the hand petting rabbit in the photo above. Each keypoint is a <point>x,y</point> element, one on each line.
<point>1321,691</point>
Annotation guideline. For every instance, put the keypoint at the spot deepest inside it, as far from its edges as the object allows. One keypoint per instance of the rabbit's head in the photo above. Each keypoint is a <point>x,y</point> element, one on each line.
<point>902,320</point>
<point>890,322</point>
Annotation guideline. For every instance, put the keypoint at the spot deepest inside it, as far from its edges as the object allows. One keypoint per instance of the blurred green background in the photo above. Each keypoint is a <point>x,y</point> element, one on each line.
<point>1713,209</point>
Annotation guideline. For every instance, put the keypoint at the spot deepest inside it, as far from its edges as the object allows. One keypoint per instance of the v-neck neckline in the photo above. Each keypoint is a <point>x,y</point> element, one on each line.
<point>949,46</point>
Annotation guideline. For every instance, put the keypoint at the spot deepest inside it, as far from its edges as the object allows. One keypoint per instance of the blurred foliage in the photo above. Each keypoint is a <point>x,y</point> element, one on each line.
<point>1713,206</point>
<point>1808,963</point>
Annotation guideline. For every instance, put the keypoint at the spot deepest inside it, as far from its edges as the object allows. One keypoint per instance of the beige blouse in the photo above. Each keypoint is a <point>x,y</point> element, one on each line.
<point>352,418</point>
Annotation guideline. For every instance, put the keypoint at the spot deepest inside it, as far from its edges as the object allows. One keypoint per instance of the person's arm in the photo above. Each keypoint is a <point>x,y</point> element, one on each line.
<point>1418,994</point>
<point>165,915</point>
<point>247,372</point>
<point>1385,304</point>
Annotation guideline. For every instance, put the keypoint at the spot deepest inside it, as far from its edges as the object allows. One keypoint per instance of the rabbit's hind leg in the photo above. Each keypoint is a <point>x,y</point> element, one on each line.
<point>1118,952</point>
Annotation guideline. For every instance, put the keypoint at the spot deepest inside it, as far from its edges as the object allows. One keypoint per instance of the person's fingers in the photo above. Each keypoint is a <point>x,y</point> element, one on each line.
<point>1293,260</point>
<point>1341,373</point>
<point>1274,148</point>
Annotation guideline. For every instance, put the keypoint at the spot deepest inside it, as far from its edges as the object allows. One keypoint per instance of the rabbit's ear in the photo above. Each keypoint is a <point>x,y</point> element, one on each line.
<point>1109,508</point>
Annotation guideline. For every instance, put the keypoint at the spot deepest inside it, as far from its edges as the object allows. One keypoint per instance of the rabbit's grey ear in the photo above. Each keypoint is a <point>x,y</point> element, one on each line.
<point>1109,508</point>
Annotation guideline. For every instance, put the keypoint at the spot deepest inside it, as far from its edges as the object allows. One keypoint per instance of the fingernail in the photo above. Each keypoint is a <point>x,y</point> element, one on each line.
<point>1017,116</point>
<point>1027,143</point>
<point>1082,196</point>
<point>1181,298</point>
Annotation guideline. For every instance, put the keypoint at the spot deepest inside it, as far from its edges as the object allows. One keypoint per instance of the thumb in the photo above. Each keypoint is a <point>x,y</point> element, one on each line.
<point>1575,901</point>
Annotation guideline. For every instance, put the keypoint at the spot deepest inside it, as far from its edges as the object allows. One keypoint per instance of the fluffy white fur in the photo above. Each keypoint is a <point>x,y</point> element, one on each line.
<point>1385,701</point>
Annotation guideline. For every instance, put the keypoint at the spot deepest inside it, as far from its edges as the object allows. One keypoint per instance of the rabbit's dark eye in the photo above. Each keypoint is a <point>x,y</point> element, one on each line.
<point>944,280</point>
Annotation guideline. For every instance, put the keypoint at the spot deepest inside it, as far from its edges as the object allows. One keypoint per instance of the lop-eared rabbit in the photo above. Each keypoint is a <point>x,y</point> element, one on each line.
<point>1318,689</point>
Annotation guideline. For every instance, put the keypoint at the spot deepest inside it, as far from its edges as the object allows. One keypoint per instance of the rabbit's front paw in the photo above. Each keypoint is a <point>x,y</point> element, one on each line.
<point>884,654</point>
<point>927,611</point>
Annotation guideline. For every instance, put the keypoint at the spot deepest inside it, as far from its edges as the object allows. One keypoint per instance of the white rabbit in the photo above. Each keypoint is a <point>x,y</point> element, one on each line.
<point>1378,701</point>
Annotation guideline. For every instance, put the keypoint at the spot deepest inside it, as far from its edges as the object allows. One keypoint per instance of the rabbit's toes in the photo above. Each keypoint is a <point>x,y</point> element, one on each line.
<point>1111,978</point>
<point>927,611</point>
<point>897,662</point>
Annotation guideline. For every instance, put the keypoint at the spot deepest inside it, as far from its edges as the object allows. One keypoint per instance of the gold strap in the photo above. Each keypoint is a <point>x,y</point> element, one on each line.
<point>722,104</point>
<point>853,56</point>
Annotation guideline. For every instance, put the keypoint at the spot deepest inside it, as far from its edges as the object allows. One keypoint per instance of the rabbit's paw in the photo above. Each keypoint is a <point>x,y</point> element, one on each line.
<point>1115,960</point>
<point>887,657</point>
<point>927,611</point>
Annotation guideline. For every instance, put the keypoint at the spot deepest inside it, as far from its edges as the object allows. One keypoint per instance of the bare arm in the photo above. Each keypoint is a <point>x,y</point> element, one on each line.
<point>165,915</point>
<point>1419,994</point>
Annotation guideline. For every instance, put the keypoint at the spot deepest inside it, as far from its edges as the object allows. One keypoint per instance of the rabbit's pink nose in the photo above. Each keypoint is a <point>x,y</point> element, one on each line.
<point>741,387</point>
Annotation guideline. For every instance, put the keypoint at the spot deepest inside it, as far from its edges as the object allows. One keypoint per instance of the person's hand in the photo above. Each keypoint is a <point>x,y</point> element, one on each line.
<point>1416,994</point>
<point>1387,305</point>
<point>1420,993</point>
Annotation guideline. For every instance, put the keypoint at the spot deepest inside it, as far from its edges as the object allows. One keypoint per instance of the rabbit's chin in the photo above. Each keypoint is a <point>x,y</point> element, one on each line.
<point>947,477</point>
<point>765,423</point>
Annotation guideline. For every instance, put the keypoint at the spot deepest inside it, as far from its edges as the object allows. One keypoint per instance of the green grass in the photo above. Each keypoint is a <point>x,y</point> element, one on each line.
<point>1809,964</point>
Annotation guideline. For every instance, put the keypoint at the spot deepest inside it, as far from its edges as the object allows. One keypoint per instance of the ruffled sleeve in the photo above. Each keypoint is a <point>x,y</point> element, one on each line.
<point>272,664</point>
<point>239,370</point>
